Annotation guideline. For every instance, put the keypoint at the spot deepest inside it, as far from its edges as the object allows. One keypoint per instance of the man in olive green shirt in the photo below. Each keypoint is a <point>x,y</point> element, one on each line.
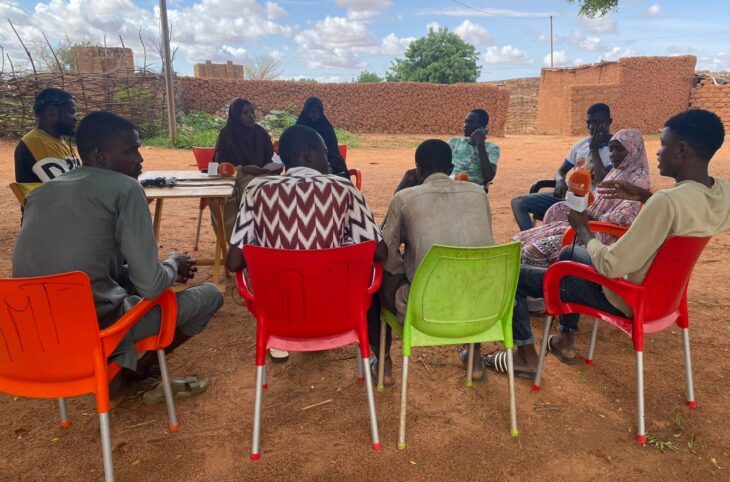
<point>697,206</point>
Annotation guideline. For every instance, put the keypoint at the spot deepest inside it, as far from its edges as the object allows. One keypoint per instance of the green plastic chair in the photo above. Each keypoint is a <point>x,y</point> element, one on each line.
<point>458,296</point>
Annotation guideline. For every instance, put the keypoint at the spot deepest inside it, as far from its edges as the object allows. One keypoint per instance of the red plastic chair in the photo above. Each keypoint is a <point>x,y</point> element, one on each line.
<point>203,157</point>
<point>343,151</point>
<point>51,346</point>
<point>358,177</point>
<point>657,304</point>
<point>596,227</point>
<point>310,300</point>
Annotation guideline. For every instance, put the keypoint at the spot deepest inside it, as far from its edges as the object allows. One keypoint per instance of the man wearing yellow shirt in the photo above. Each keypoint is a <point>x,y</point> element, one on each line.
<point>43,153</point>
<point>697,206</point>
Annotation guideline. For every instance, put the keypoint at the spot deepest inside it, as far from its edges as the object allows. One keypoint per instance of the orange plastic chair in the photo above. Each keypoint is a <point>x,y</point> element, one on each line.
<point>657,304</point>
<point>310,300</point>
<point>51,345</point>
<point>203,157</point>
<point>596,227</point>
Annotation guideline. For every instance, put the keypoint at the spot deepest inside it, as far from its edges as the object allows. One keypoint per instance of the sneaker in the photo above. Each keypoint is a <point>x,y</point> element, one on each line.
<point>278,356</point>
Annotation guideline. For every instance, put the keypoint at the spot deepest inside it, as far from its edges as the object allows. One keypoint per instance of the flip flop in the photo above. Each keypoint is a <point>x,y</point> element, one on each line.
<point>464,356</point>
<point>497,362</point>
<point>278,356</point>
<point>559,354</point>
<point>182,387</point>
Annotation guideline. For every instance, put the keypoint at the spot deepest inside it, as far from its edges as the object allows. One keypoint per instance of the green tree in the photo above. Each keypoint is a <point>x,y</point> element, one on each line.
<point>441,57</point>
<point>366,77</point>
<point>595,8</point>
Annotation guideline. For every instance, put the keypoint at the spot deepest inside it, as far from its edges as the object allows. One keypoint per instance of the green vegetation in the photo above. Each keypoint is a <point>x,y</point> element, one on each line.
<point>366,77</point>
<point>441,57</point>
<point>595,8</point>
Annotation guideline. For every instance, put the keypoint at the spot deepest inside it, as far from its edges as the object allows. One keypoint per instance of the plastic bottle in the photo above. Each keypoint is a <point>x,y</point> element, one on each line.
<point>579,195</point>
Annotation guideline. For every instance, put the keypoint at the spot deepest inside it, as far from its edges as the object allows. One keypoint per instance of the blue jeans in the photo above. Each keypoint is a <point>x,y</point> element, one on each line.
<point>577,290</point>
<point>537,203</point>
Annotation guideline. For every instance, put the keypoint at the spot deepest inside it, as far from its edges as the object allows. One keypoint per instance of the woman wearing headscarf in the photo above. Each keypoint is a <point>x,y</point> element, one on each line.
<point>541,245</point>
<point>312,115</point>
<point>247,146</point>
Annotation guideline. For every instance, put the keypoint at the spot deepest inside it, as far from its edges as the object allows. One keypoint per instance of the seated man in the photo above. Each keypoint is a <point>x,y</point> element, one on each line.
<point>95,219</point>
<point>43,153</point>
<point>698,205</point>
<point>472,154</point>
<point>438,211</point>
<point>598,119</point>
<point>266,199</point>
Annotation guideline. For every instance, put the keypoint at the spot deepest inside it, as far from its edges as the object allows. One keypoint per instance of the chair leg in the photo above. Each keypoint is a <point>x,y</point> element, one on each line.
<point>197,230</point>
<point>403,401</point>
<point>365,367</point>
<point>592,347</point>
<point>691,402</point>
<point>358,357</point>
<point>381,356</point>
<point>169,398</point>
<point>470,365</point>
<point>640,429</point>
<point>543,354</point>
<point>65,422</point>
<point>512,402</point>
<point>255,449</point>
<point>106,447</point>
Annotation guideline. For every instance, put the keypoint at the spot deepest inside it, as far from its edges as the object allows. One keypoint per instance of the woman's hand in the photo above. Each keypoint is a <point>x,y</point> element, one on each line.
<point>623,190</point>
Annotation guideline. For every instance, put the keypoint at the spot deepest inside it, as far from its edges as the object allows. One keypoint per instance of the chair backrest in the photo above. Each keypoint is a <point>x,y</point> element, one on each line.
<point>49,334</point>
<point>667,279</point>
<point>203,156</point>
<point>343,151</point>
<point>15,188</point>
<point>462,295</point>
<point>308,294</point>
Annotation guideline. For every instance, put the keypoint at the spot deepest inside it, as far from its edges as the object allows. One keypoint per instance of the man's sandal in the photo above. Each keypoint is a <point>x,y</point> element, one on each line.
<point>497,362</point>
<point>182,387</point>
<point>464,356</point>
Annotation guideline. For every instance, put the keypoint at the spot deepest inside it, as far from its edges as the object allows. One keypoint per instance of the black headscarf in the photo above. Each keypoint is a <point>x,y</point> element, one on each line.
<point>241,145</point>
<point>325,129</point>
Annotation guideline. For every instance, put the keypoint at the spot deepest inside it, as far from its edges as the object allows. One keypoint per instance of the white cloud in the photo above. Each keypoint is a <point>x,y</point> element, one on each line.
<point>605,24</point>
<point>587,42</point>
<point>579,61</point>
<point>364,9</point>
<point>482,12</point>
<point>560,59</point>
<point>474,33</point>
<point>714,63</point>
<point>506,55</point>
<point>615,54</point>
<point>654,10</point>
<point>435,26</point>
<point>394,45</point>
<point>274,11</point>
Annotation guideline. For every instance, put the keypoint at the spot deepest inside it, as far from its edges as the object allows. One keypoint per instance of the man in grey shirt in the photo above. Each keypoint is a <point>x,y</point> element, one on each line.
<point>97,220</point>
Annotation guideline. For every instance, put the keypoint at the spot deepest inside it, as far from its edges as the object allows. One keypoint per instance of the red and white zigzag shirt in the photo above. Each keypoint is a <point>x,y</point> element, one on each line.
<point>303,209</point>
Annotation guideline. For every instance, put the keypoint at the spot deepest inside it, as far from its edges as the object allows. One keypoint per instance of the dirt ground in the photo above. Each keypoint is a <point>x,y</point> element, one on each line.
<point>579,426</point>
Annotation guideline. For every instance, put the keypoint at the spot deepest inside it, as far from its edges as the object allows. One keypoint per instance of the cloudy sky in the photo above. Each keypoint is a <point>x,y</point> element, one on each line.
<point>333,40</point>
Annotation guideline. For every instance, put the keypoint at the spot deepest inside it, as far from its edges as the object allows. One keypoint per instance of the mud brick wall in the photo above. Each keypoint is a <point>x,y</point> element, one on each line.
<point>101,60</point>
<point>387,107</point>
<point>707,95</point>
<point>209,70</point>
<point>641,91</point>
<point>522,114</point>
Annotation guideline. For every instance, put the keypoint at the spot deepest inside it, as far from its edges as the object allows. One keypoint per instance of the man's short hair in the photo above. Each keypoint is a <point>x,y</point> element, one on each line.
<point>97,129</point>
<point>434,155</point>
<point>701,129</point>
<point>51,96</point>
<point>599,108</point>
<point>294,140</point>
<point>483,116</point>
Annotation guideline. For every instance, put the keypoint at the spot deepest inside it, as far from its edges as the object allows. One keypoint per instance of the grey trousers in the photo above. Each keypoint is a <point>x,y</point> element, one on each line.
<point>195,307</point>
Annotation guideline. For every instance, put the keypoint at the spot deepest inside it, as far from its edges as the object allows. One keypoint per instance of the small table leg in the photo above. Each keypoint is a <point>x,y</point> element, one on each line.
<point>158,219</point>
<point>216,207</point>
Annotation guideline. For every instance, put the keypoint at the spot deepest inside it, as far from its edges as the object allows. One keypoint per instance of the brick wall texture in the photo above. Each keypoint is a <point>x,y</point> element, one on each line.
<point>209,70</point>
<point>707,95</point>
<point>522,115</point>
<point>378,107</point>
<point>641,91</point>
<point>102,60</point>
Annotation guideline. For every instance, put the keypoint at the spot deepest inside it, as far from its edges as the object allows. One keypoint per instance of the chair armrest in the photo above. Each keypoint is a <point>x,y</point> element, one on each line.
<point>596,227</point>
<point>377,278</point>
<point>358,177</point>
<point>243,288</point>
<point>110,337</point>
<point>542,184</point>
<point>630,292</point>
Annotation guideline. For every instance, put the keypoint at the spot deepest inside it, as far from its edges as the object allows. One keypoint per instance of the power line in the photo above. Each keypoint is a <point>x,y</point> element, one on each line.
<point>490,12</point>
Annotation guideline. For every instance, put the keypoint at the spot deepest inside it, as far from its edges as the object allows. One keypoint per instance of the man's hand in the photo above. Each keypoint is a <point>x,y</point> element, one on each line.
<point>579,222</point>
<point>600,135</point>
<point>623,190</point>
<point>186,266</point>
<point>479,136</point>
<point>561,187</point>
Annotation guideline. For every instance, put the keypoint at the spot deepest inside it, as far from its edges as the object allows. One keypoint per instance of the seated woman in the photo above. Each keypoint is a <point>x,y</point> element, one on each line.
<point>312,115</point>
<point>247,146</point>
<point>541,244</point>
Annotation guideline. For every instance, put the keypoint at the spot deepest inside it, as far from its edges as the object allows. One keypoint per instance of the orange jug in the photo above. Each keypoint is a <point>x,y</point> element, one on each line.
<point>579,195</point>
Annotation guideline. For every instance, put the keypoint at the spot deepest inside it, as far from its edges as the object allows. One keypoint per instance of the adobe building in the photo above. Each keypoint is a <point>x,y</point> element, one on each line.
<point>209,70</point>
<point>102,60</point>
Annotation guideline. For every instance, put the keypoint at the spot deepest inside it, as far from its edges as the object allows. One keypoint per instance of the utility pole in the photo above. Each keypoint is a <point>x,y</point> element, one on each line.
<point>551,40</point>
<point>167,62</point>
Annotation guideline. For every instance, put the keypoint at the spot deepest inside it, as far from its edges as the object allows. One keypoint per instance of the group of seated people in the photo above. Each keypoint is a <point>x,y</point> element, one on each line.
<point>96,219</point>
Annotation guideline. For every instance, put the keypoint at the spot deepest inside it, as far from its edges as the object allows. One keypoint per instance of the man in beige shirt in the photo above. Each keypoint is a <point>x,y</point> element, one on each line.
<point>698,205</point>
<point>438,211</point>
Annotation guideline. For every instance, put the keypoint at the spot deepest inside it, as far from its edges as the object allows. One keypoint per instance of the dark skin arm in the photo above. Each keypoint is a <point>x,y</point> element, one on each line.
<point>186,267</point>
<point>561,186</point>
<point>623,190</point>
<point>579,222</point>
<point>236,262</point>
<point>479,137</point>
